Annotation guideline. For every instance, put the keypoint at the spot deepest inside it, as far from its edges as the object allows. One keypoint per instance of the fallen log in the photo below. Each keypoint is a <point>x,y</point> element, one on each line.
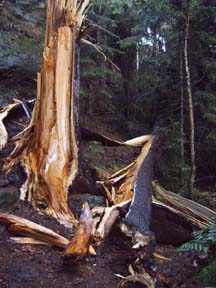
<point>179,217</point>
<point>193,209</point>
<point>108,216</point>
<point>134,182</point>
<point>165,221</point>
<point>20,226</point>
<point>36,234</point>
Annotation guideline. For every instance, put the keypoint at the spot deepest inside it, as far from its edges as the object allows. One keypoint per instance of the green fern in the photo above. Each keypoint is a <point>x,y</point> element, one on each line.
<point>199,245</point>
<point>205,241</point>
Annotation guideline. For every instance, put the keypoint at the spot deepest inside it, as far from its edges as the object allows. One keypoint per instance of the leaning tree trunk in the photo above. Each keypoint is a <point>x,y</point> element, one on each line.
<point>49,148</point>
<point>190,101</point>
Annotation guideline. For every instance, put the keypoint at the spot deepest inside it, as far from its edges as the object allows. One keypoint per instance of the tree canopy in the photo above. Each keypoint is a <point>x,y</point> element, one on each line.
<point>143,39</point>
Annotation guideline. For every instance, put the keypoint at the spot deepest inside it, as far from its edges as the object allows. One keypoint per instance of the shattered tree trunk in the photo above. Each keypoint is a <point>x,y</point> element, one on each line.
<point>139,214</point>
<point>133,182</point>
<point>49,147</point>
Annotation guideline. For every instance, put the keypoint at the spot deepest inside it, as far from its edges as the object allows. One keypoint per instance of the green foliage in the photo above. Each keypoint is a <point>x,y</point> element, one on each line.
<point>17,50</point>
<point>93,153</point>
<point>205,241</point>
<point>142,39</point>
<point>94,148</point>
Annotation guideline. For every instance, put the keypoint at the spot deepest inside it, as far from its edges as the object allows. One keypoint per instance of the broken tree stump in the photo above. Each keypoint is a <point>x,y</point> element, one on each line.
<point>48,149</point>
<point>80,244</point>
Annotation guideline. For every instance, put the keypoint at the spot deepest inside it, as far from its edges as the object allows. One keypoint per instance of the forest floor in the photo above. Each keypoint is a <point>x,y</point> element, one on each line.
<point>27,266</point>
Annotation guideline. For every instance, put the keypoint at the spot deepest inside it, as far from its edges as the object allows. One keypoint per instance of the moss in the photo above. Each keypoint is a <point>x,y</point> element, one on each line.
<point>94,154</point>
<point>24,50</point>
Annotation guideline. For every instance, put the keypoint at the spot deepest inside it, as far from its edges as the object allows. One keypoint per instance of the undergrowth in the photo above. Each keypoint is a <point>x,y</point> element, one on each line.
<point>205,241</point>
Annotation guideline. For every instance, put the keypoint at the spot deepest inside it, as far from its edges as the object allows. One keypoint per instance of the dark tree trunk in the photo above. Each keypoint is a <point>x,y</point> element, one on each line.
<point>139,214</point>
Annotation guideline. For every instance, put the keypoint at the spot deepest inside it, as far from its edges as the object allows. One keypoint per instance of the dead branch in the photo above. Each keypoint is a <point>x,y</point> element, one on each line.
<point>107,141</point>
<point>21,226</point>
<point>110,217</point>
<point>143,278</point>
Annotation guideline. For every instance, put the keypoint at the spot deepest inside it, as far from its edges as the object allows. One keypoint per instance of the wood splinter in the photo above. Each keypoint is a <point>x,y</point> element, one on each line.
<point>80,245</point>
<point>23,227</point>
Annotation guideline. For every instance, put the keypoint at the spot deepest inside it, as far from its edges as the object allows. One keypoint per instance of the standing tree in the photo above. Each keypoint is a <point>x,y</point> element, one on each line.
<point>190,99</point>
<point>181,88</point>
<point>49,148</point>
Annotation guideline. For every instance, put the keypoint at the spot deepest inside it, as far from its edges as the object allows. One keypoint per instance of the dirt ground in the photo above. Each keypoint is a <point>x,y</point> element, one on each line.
<point>27,266</point>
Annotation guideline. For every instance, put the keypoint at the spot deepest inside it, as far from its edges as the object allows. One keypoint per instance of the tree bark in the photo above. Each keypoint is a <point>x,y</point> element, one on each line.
<point>190,101</point>
<point>182,105</point>
<point>139,214</point>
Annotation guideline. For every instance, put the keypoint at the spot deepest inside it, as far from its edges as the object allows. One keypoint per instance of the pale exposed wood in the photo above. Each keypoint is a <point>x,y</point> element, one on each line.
<point>21,226</point>
<point>36,234</point>
<point>110,217</point>
<point>204,215</point>
<point>75,13</point>
<point>81,11</point>
<point>27,240</point>
<point>106,191</point>
<point>48,148</point>
<point>107,141</point>
<point>187,214</point>
<point>55,19</point>
<point>177,217</point>
<point>127,175</point>
<point>3,114</point>
<point>161,257</point>
<point>139,214</point>
<point>80,243</point>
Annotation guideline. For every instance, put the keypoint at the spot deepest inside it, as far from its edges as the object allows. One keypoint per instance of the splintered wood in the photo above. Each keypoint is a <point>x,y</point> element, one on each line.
<point>80,244</point>
<point>194,212</point>
<point>20,226</point>
<point>123,181</point>
<point>48,148</point>
<point>3,114</point>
